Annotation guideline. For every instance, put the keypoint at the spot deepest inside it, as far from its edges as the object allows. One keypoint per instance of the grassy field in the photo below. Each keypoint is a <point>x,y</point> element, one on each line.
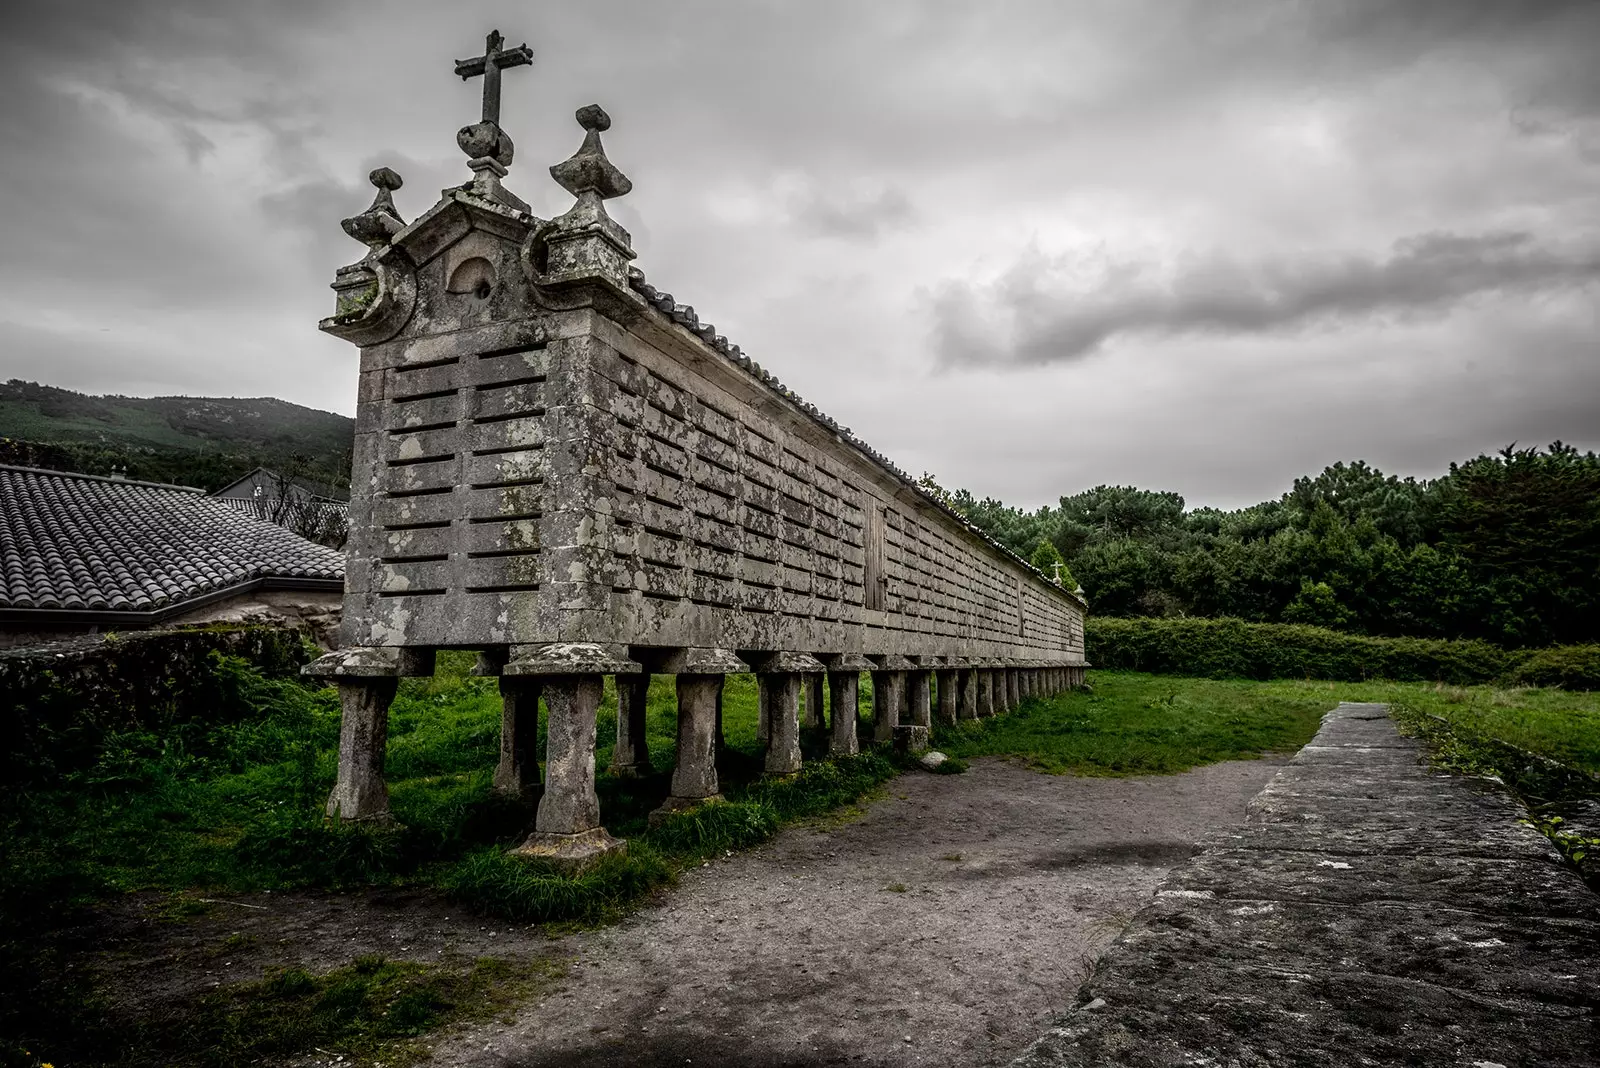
<point>204,809</point>
<point>1131,723</point>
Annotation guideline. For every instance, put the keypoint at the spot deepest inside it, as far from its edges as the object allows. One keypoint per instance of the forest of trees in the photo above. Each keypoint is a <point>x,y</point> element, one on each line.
<point>1503,547</point>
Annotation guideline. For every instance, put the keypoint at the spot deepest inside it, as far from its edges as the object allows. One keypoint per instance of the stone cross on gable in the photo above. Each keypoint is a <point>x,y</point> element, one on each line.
<point>489,65</point>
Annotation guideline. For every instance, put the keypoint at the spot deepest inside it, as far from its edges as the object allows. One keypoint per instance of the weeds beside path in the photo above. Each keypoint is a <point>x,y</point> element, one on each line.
<point>231,804</point>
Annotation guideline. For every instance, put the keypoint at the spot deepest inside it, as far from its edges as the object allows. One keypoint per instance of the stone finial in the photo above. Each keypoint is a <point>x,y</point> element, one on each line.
<point>589,169</point>
<point>585,242</point>
<point>380,222</point>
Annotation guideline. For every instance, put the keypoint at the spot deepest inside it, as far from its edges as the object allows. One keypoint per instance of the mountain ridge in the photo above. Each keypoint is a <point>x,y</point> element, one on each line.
<point>204,441</point>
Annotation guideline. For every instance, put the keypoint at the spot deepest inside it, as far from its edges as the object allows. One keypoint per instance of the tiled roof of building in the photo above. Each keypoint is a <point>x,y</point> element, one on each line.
<point>82,542</point>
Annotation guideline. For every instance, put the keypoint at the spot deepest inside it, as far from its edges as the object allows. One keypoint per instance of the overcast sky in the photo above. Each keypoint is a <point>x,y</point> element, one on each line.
<point>1029,247</point>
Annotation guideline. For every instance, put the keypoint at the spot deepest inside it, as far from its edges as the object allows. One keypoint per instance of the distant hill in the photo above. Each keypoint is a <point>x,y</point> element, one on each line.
<point>196,441</point>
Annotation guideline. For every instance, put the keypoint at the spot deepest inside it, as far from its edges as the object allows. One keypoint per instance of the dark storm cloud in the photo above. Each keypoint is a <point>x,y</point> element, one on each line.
<point>175,171</point>
<point>1028,317</point>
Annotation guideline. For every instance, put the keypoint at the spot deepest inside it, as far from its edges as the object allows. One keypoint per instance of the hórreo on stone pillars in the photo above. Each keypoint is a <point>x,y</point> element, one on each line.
<point>564,468</point>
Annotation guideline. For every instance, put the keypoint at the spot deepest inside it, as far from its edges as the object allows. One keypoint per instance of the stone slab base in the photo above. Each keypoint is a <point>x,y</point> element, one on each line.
<point>679,804</point>
<point>912,738</point>
<point>570,851</point>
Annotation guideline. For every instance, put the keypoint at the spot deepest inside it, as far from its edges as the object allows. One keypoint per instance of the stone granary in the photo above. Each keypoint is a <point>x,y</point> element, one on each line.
<point>559,465</point>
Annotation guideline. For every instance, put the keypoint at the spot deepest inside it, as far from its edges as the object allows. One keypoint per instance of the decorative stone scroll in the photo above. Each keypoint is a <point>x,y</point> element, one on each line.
<point>562,467</point>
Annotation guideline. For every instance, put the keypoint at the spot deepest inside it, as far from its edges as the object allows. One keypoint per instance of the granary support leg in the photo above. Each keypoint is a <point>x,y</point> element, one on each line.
<point>567,829</point>
<point>694,777</point>
<point>889,695</point>
<point>811,717</point>
<point>631,756</point>
<point>985,693</point>
<point>700,677</point>
<point>947,695</point>
<point>780,693</point>
<point>967,704</point>
<point>888,698</point>
<point>844,699</point>
<point>912,735</point>
<point>1013,687</point>
<point>778,677</point>
<point>844,696</point>
<point>367,677</point>
<point>517,774</point>
<point>361,795</point>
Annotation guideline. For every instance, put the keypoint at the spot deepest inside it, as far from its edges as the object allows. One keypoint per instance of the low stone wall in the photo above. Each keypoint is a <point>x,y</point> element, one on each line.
<point>57,701</point>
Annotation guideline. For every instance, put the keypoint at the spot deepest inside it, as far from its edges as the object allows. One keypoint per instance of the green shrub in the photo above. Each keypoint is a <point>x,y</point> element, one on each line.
<point>1571,667</point>
<point>1232,648</point>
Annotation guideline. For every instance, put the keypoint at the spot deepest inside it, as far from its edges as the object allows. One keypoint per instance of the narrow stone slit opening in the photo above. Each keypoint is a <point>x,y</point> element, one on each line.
<point>431,491</point>
<point>528,413</point>
<point>423,365</point>
<point>512,350</point>
<point>401,431</point>
<point>508,483</point>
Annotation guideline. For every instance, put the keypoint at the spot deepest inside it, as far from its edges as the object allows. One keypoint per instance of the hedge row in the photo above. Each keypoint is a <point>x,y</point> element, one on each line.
<point>59,701</point>
<point>1232,648</point>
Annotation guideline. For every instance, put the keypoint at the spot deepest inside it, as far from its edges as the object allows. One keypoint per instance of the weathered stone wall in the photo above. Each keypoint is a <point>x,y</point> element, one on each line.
<point>58,700</point>
<point>580,476</point>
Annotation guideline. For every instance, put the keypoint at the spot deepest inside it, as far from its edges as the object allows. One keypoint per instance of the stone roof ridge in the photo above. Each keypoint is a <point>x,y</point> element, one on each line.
<point>685,316</point>
<point>113,479</point>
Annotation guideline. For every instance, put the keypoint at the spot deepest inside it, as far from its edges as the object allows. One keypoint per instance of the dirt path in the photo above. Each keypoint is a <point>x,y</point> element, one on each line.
<point>945,926</point>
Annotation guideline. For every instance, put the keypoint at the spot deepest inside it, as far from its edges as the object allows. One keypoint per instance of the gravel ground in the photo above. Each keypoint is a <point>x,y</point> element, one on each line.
<point>946,926</point>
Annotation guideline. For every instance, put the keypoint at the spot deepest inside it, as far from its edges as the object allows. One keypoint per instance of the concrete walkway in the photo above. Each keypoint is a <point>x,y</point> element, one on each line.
<point>1370,911</point>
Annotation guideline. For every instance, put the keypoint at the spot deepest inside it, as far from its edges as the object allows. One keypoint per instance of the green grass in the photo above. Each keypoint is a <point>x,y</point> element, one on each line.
<point>1132,724</point>
<point>205,808</point>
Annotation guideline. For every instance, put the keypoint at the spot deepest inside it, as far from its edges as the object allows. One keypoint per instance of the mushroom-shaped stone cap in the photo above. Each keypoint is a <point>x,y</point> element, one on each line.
<point>375,226</point>
<point>589,170</point>
<point>384,178</point>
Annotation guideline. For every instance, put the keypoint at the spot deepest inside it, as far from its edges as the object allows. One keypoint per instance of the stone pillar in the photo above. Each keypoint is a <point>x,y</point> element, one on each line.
<point>967,707</point>
<point>700,676</point>
<point>361,795</point>
<point>888,695</point>
<point>1013,687</point>
<point>945,679</point>
<point>632,753</point>
<point>367,677</point>
<point>985,692</point>
<point>517,774</point>
<point>811,717</point>
<point>844,698</point>
<point>919,696</point>
<point>914,733</point>
<point>779,693</point>
<point>778,676</point>
<point>567,830</point>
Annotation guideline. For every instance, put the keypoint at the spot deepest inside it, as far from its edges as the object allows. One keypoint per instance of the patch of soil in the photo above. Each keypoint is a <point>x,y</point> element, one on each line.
<point>946,925</point>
